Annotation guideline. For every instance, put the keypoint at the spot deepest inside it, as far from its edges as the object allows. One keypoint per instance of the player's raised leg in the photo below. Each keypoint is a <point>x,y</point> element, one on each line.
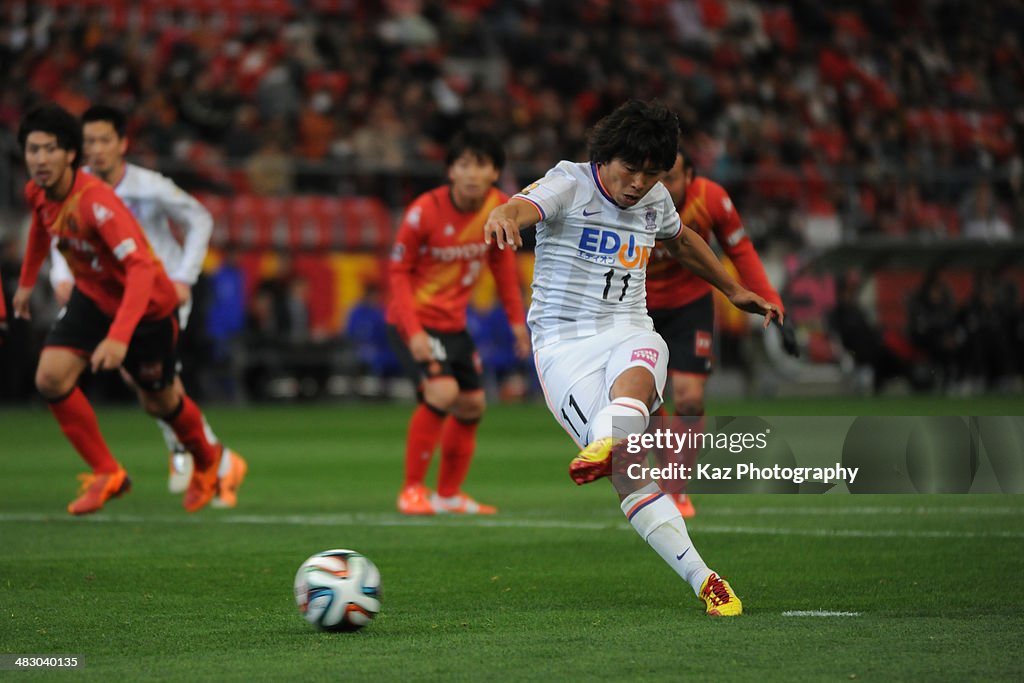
<point>636,371</point>
<point>57,380</point>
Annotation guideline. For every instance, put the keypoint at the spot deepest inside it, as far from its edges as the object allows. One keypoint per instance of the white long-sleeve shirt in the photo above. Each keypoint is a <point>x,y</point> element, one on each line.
<point>155,201</point>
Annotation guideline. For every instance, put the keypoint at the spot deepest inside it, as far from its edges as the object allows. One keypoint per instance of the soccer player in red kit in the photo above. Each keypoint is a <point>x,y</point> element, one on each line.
<point>437,258</point>
<point>121,312</point>
<point>681,304</point>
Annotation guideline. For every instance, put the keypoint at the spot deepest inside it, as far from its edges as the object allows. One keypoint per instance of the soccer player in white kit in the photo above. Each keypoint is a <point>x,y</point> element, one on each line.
<point>155,201</point>
<point>601,365</point>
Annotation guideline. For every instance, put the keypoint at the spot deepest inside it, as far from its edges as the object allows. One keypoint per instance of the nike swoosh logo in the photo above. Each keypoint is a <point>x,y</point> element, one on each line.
<point>591,213</point>
<point>679,557</point>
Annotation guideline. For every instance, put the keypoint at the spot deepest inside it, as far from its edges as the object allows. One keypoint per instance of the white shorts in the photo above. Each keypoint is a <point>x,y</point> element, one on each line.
<point>184,311</point>
<point>577,375</point>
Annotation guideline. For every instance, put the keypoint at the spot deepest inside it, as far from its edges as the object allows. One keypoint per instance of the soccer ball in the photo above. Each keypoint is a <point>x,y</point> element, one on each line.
<point>338,590</point>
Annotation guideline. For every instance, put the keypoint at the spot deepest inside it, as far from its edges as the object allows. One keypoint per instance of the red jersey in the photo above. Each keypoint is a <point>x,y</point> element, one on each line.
<point>106,250</point>
<point>437,258</point>
<point>707,209</point>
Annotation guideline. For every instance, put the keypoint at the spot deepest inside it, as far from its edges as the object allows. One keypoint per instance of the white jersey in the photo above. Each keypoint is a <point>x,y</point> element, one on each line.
<point>590,271</point>
<point>155,200</point>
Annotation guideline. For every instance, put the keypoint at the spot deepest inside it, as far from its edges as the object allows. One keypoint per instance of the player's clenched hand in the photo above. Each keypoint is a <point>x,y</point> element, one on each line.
<point>522,341</point>
<point>20,303</point>
<point>183,291</point>
<point>502,230</point>
<point>108,355</point>
<point>746,300</point>
<point>419,347</point>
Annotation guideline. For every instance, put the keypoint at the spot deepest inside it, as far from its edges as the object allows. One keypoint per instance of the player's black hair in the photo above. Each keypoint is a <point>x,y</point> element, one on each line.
<point>101,112</point>
<point>56,121</point>
<point>637,133</point>
<point>483,145</point>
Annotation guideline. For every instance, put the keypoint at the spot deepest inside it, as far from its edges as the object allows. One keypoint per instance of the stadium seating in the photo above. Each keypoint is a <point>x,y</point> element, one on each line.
<point>300,223</point>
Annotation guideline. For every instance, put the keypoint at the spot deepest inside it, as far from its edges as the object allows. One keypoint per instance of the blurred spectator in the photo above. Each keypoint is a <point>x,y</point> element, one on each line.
<point>934,330</point>
<point>271,170</point>
<point>366,330</point>
<point>988,355</point>
<point>225,311</point>
<point>873,359</point>
<point>982,219</point>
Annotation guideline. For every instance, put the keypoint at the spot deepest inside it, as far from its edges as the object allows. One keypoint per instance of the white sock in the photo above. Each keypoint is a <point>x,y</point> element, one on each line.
<point>175,446</point>
<point>657,520</point>
<point>620,418</point>
<point>225,463</point>
<point>170,438</point>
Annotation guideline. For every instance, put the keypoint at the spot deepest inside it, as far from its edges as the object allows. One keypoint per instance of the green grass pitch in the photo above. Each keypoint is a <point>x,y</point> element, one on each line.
<point>557,587</point>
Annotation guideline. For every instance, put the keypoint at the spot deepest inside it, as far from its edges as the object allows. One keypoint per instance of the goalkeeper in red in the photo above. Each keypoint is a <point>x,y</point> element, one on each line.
<point>121,313</point>
<point>681,304</point>
<point>438,256</point>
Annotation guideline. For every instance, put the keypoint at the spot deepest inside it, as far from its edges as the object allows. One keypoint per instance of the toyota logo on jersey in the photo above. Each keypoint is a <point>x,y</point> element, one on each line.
<point>605,246</point>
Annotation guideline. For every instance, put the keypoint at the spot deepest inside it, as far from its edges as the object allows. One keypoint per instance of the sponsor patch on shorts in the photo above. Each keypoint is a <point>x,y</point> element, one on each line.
<point>647,355</point>
<point>702,344</point>
<point>151,372</point>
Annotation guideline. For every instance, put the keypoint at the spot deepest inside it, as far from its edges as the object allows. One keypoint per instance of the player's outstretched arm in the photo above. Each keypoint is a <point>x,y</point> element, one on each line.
<point>506,221</point>
<point>695,254</point>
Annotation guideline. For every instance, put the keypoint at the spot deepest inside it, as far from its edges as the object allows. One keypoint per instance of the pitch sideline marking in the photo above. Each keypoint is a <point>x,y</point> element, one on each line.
<point>395,520</point>
<point>818,613</point>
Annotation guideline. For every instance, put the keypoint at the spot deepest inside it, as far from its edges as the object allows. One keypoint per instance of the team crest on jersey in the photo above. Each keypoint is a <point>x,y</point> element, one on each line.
<point>101,213</point>
<point>647,355</point>
<point>413,217</point>
<point>126,247</point>
<point>605,246</point>
<point>651,220</point>
<point>449,230</point>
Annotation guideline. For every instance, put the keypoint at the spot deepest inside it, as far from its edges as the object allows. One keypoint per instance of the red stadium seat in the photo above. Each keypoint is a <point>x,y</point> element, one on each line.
<point>308,225</point>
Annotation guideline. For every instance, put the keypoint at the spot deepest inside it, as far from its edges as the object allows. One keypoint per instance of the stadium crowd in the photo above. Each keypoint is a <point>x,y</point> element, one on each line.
<point>886,115</point>
<point>825,122</point>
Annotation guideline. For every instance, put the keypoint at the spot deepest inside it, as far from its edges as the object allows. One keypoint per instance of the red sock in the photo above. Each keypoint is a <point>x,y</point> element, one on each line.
<point>458,442</point>
<point>686,456</point>
<point>187,423</point>
<point>696,425</point>
<point>424,433</point>
<point>78,422</point>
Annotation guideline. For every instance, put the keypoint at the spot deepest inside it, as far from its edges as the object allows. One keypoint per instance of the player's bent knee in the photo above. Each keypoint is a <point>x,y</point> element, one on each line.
<point>54,385</point>
<point>469,405</point>
<point>160,403</point>
<point>636,382</point>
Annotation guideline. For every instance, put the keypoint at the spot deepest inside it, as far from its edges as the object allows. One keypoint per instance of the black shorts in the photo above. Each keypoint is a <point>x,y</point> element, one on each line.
<point>152,351</point>
<point>456,357</point>
<point>689,332</point>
